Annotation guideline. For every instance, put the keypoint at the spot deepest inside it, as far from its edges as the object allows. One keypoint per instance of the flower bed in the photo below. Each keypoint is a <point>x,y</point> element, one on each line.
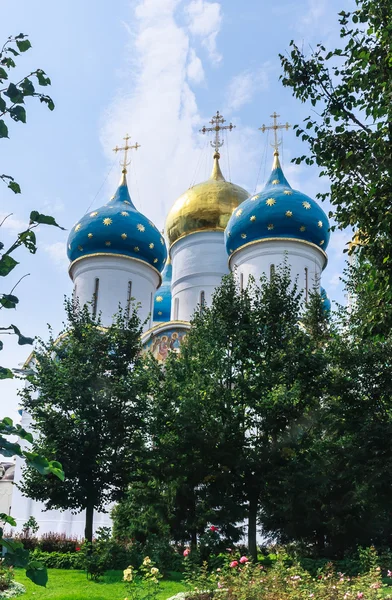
<point>14,589</point>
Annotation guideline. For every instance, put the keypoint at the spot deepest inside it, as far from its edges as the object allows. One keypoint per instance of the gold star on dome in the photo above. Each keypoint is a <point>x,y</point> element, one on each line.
<point>126,202</point>
<point>108,243</point>
<point>306,205</point>
<point>239,212</point>
<point>124,236</point>
<point>151,245</point>
<point>107,221</point>
<point>159,298</point>
<point>228,233</point>
<point>253,218</point>
<point>288,192</point>
<point>275,182</point>
<point>288,213</point>
<point>243,235</point>
<point>78,226</point>
<point>125,213</point>
<point>319,224</point>
<point>155,261</point>
<point>80,248</point>
<point>112,198</point>
<point>162,241</point>
<point>270,201</point>
<point>270,226</point>
<point>322,243</point>
<point>231,251</point>
<point>302,228</point>
<point>93,214</point>
<point>254,198</point>
<point>140,227</point>
<point>160,313</point>
<point>136,248</point>
<point>90,235</point>
<point>69,246</point>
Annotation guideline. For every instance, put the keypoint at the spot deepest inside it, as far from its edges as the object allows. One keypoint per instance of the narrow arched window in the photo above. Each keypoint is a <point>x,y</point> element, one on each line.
<point>272,271</point>
<point>95,297</point>
<point>306,284</point>
<point>129,299</point>
<point>176,308</point>
<point>241,282</point>
<point>151,308</point>
<point>202,300</point>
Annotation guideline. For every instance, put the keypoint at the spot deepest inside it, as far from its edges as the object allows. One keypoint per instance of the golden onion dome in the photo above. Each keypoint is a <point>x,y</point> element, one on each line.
<point>206,206</point>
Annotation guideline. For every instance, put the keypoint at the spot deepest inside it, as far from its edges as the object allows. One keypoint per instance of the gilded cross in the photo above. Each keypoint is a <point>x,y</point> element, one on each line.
<point>275,127</point>
<point>125,149</point>
<point>217,126</point>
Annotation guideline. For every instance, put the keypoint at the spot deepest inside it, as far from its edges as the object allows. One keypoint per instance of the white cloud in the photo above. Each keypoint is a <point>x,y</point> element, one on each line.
<point>315,11</point>
<point>335,280</point>
<point>57,254</point>
<point>195,69</point>
<point>204,21</point>
<point>11,224</point>
<point>244,86</point>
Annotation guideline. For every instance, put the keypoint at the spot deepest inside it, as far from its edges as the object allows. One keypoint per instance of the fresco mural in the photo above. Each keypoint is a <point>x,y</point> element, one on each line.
<point>169,340</point>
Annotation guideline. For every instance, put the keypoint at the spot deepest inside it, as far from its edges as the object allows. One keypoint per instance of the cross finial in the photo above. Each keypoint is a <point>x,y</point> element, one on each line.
<point>125,149</point>
<point>275,127</point>
<point>217,126</point>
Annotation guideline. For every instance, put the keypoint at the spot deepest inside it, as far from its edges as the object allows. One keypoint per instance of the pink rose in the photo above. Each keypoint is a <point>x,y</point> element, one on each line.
<point>219,585</point>
<point>360,595</point>
<point>389,573</point>
<point>186,552</point>
<point>243,560</point>
<point>234,564</point>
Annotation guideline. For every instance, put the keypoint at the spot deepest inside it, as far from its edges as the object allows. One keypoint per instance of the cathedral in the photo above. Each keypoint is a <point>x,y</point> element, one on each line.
<point>118,256</point>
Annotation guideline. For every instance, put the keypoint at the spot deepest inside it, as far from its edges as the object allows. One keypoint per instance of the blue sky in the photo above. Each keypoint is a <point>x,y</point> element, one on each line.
<point>158,69</point>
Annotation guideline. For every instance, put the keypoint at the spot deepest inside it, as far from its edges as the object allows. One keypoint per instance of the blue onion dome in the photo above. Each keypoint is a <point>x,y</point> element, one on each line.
<point>118,228</point>
<point>163,297</point>
<point>276,212</point>
<point>325,300</point>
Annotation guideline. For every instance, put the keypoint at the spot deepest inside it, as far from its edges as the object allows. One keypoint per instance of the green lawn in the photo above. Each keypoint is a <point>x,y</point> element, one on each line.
<point>73,585</point>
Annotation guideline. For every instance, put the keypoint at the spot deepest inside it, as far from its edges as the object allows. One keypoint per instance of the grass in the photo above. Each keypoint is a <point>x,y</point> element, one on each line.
<point>73,585</point>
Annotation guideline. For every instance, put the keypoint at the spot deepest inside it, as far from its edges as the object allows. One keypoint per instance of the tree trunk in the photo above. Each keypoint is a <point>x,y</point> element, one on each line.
<point>252,526</point>
<point>193,539</point>
<point>88,528</point>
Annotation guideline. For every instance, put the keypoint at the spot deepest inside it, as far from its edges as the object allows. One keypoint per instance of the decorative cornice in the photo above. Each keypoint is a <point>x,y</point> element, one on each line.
<point>166,324</point>
<point>116,256</point>
<point>280,239</point>
<point>208,229</point>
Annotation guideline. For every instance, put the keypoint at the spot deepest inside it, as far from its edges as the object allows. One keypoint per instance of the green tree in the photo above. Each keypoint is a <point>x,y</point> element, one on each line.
<point>88,400</point>
<point>350,135</point>
<point>246,384</point>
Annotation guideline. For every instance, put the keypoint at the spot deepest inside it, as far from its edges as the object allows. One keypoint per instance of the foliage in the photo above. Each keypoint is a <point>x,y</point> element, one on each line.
<point>31,526</point>
<point>349,132</point>
<point>240,579</point>
<point>60,560</point>
<point>15,589</point>
<point>143,583</point>
<point>244,391</point>
<point>88,400</point>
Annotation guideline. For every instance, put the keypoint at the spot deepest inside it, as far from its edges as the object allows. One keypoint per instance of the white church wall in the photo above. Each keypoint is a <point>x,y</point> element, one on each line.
<point>113,277</point>
<point>305,261</point>
<point>199,262</point>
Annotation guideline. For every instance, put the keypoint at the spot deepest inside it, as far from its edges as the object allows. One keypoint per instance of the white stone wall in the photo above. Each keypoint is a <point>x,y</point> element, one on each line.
<point>199,262</point>
<point>257,259</point>
<point>114,274</point>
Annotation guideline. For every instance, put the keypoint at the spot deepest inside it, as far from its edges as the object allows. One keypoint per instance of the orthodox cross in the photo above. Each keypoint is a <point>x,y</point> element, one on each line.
<point>275,127</point>
<point>125,149</point>
<point>217,126</point>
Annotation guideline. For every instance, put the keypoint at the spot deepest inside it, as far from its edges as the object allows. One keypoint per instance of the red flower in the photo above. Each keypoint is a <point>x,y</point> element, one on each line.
<point>243,560</point>
<point>186,552</point>
<point>213,528</point>
<point>234,564</point>
<point>77,549</point>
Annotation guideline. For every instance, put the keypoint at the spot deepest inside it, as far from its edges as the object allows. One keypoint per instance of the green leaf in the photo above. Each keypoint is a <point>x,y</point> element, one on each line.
<point>22,340</point>
<point>3,129</point>
<point>7,263</point>
<point>42,79</point>
<point>23,45</point>
<point>18,113</point>
<point>7,519</point>
<point>36,217</point>
<point>14,94</point>
<point>27,87</point>
<point>37,572</point>
<point>3,104</point>
<point>48,100</point>
<point>19,557</point>
<point>9,301</point>
<point>3,73</point>
<point>28,239</point>
<point>15,187</point>
<point>6,373</point>
<point>1,345</point>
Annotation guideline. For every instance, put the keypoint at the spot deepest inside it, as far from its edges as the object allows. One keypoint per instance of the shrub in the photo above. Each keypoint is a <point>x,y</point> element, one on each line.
<point>59,560</point>
<point>142,583</point>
